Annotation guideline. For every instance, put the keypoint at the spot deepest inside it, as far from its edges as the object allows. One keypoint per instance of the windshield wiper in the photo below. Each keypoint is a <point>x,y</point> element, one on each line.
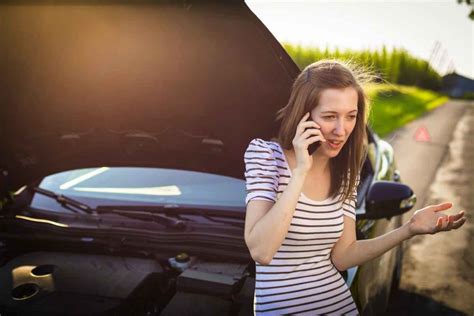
<point>65,201</point>
<point>174,212</point>
<point>73,205</point>
<point>142,215</point>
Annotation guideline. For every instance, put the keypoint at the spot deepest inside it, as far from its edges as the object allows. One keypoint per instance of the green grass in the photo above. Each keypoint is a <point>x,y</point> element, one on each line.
<point>393,106</point>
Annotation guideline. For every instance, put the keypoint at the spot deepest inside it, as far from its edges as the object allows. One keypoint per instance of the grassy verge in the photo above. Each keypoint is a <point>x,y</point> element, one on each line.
<point>393,106</point>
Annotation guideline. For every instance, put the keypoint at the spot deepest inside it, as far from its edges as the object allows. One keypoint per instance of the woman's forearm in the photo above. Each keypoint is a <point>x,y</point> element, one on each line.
<point>362,251</point>
<point>268,233</point>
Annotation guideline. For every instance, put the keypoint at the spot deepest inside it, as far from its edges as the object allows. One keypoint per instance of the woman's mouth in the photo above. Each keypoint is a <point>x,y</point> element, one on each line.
<point>335,144</point>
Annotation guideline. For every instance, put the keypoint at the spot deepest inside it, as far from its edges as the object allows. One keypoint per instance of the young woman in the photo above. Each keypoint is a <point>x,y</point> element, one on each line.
<point>295,226</point>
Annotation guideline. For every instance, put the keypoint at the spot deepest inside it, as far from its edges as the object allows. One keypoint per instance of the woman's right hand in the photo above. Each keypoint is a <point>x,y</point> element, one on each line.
<point>307,132</point>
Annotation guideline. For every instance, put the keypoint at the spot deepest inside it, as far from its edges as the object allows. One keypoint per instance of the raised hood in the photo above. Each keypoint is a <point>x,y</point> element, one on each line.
<point>178,86</point>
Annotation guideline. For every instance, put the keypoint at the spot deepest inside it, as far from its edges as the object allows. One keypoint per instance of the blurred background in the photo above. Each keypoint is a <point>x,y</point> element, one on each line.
<point>422,53</point>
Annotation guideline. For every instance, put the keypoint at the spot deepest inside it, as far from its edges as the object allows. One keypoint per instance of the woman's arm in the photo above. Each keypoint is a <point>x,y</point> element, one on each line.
<point>267,223</point>
<point>349,252</point>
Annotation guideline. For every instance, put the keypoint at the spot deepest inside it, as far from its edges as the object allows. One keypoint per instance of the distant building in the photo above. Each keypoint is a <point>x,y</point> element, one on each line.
<point>456,85</point>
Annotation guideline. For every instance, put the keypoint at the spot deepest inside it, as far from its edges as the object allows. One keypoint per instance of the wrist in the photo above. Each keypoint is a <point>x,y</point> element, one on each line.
<point>406,230</point>
<point>299,172</point>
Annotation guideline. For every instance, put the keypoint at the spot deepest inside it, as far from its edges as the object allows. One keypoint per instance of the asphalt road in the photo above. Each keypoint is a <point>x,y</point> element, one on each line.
<point>438,270</point>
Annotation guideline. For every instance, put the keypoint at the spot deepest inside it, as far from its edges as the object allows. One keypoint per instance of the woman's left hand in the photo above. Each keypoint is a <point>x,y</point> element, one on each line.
<point>430,220</point>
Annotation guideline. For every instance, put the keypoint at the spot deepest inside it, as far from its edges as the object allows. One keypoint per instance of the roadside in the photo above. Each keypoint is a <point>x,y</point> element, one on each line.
<point>438,274</point>
<point>393,106</point>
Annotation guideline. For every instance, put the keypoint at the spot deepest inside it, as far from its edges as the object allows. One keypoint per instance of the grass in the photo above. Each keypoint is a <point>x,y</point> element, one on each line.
<point>393,106</point>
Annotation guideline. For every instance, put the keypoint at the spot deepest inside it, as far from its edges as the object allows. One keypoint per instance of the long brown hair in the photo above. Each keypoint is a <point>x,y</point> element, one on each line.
<point>305,94</point>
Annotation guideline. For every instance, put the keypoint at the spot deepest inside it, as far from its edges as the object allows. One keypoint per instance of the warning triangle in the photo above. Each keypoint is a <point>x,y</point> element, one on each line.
<point>422,135</point>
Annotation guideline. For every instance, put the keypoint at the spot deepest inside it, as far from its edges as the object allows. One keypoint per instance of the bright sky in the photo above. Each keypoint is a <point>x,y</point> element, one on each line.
<point>415,25</point>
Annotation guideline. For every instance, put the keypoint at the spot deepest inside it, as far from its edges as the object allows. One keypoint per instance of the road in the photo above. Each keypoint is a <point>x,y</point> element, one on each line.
<point>438,270</point>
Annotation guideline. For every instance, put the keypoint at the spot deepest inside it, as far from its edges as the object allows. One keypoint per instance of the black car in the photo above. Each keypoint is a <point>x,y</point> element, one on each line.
<point>123,128</point>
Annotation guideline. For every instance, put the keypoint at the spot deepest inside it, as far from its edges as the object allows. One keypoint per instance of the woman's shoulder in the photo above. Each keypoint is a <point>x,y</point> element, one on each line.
<point>259,144</point>
<point>261,171</point>
<point>269,148</point>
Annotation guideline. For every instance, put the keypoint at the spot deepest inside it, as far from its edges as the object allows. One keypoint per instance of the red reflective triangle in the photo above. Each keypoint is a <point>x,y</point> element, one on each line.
<point>422,135</point>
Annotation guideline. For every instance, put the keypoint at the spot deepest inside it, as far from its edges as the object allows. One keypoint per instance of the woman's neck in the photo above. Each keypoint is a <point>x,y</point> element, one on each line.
<point>320,163</point>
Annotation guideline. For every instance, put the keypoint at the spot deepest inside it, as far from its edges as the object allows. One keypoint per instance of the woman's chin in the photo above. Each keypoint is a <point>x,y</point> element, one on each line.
<point>328,151</point>
<point>331,152</point>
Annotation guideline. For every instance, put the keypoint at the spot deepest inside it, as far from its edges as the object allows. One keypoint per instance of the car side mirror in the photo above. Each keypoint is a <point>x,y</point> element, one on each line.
<point>387,198</point>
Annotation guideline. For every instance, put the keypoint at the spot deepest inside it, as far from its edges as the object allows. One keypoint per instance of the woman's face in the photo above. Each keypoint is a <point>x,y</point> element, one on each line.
<point>336,114</point>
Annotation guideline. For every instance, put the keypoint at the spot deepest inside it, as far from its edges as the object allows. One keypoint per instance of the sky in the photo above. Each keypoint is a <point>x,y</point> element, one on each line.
<point>415,25</point>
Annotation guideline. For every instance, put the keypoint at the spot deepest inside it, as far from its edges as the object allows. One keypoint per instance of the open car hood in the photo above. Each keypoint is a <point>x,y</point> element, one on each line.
<point>182,85</point>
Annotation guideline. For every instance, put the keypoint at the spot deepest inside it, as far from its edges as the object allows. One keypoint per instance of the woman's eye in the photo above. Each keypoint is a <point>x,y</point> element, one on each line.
<point>333,116</point>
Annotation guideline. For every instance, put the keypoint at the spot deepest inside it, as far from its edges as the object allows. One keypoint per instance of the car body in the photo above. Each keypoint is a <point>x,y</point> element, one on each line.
<point>123,128</point>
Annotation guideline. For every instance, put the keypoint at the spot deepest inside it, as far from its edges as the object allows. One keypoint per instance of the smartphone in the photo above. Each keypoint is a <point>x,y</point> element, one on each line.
<point>312,147</point>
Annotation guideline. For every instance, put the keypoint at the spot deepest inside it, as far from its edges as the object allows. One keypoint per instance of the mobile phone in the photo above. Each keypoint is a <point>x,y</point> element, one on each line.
<point>312,147</point>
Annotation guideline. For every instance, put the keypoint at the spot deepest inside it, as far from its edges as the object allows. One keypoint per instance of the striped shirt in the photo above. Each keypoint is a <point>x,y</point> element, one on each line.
<point>301,278</point>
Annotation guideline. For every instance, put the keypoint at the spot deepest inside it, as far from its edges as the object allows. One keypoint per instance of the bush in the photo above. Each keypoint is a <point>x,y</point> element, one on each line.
<point>468,96</point>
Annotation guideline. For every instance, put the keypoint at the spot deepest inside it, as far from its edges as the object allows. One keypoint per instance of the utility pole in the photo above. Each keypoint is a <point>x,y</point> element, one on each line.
<point>443,58</point>
<point>451,68</point>
<point>434,52</point>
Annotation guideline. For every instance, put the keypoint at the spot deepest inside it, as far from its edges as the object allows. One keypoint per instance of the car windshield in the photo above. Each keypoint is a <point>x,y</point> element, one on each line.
<point>142,186</point>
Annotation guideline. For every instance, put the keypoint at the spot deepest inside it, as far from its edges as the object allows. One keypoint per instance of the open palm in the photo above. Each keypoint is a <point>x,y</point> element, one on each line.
<point>430,220</point>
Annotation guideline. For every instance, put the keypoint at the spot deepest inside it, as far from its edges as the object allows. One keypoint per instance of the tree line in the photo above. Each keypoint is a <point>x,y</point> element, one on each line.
<point>395,66</point>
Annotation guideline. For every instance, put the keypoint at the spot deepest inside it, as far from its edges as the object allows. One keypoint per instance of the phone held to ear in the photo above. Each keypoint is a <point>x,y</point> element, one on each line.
<point>312,147</point>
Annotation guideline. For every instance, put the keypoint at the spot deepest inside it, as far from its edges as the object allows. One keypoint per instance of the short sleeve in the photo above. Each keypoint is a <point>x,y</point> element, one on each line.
<point>349,205</point>
<point>261,172</point>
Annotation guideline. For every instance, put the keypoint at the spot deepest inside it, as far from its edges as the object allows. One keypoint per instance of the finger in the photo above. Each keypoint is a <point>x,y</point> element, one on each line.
<point>312,132</point>
<point>313,139</point>
<point>439,224</point>
<point>442,206</point>
<point>310,125</point>
<point>444,221</point>
<point>305,117</point>
<point>300,126</point>
<point>449,222</point>
<point>458,215</point>
<point>459,223</point>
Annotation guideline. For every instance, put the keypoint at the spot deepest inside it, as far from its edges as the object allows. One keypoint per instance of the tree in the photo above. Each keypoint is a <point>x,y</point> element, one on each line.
<point>468,2</point>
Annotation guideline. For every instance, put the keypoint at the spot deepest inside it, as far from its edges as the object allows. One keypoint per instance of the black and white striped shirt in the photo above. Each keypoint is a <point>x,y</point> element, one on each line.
<point>301,278</point>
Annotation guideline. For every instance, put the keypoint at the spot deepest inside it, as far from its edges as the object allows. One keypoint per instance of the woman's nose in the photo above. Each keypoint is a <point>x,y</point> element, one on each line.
<point>339,128</point>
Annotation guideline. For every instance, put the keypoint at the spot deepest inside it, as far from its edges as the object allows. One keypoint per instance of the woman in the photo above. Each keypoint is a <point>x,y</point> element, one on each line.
<point>294,227</point>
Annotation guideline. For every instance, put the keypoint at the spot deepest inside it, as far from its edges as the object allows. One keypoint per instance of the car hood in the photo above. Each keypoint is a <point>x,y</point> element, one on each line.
<point>153,85</point>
